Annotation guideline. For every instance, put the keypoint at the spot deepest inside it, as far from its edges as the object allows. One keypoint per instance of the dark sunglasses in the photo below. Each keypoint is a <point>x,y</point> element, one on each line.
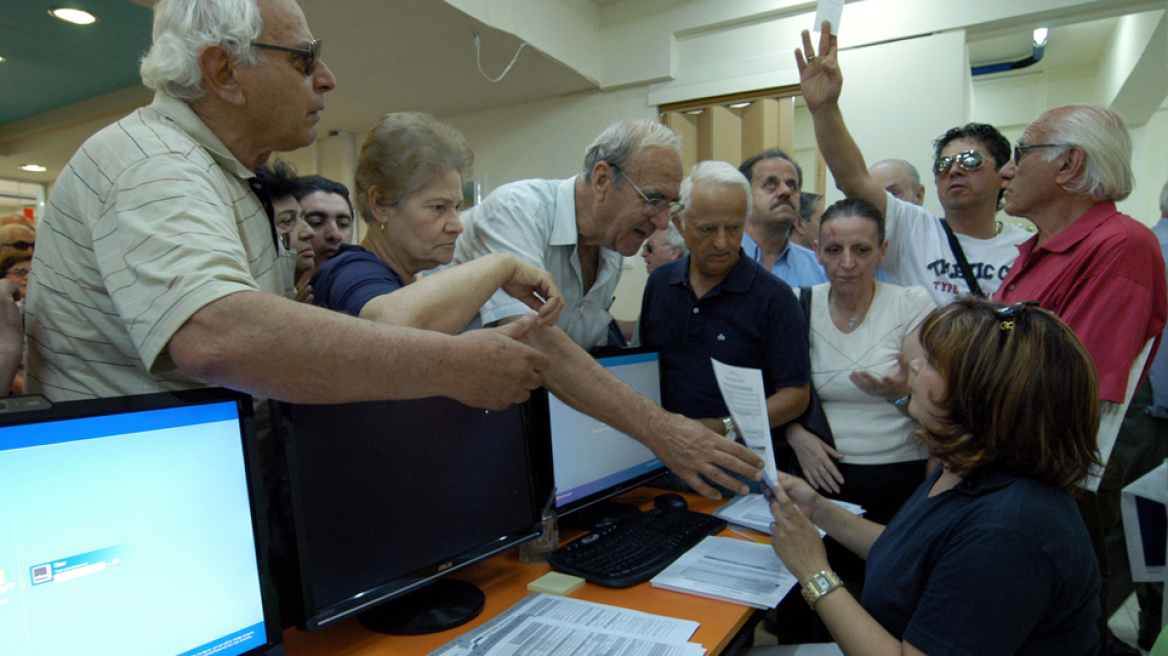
<point>1005,315</point>
<point>970,160</point>
<point>1019,149</point>
<point>310,55</point>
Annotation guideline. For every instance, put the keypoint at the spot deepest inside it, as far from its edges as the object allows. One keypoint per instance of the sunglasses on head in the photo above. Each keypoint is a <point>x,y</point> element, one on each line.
<point>970,160</point>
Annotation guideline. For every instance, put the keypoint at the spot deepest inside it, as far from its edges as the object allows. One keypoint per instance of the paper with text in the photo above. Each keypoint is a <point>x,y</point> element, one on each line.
<point>550,612</point>
<point>731,570</point>
<point>743,393</point>
<point>753,512</point>
<point>539,635</point>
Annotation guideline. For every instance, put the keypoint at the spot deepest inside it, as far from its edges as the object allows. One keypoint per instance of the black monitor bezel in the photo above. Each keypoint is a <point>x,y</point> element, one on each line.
<point>316,618</point>
<point>13,413</point>
<point>601,353</point>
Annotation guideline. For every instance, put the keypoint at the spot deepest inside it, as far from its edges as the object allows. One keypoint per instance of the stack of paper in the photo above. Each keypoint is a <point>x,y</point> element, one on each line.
<point>546,624</point>
<point>726,569</point>
<point>753,512</point>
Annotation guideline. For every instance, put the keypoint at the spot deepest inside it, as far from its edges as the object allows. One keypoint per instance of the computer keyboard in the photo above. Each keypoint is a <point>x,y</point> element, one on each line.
<point>635,549</point>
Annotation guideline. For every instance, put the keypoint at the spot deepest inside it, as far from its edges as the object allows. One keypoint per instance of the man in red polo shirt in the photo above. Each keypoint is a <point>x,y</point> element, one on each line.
<point>1098,269</point>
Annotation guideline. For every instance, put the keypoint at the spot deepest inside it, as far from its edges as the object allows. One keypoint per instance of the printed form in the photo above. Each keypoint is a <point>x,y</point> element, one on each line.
<point>730,570</point>
<point>547,624</point>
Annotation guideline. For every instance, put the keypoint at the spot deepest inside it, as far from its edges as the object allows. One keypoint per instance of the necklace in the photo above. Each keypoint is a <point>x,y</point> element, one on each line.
<point>851,321</point>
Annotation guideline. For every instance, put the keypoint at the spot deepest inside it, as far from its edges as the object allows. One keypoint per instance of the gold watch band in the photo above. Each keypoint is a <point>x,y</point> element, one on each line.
<point>819,585</point>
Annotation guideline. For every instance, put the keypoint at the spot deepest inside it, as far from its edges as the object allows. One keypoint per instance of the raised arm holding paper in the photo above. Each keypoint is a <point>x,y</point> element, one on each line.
<point>969,187</point>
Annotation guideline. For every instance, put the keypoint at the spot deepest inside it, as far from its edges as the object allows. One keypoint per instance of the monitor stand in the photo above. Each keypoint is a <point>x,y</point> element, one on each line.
<point>441,605</point>
<point>603,512</point>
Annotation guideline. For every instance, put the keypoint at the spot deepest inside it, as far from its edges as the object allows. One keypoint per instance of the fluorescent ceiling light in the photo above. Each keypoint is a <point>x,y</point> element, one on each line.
<point>1,58</point>
<point>73,15</point>
<point>740,105</point>
<point>1040,37</point>
<point>33,168</point>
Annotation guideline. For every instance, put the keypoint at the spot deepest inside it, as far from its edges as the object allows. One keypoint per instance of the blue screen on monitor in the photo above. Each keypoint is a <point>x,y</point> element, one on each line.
<point>593,460</point>
<point>128,534</point>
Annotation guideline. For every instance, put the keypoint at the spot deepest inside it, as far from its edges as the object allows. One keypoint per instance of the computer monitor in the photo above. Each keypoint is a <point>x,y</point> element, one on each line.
<point>593,461</point>
<point>133,525</point>
<point>389,497</point>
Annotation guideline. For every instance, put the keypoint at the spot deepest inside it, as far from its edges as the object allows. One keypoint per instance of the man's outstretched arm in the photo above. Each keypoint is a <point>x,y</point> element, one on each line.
<point>687,448</point>
<point>270,346</point>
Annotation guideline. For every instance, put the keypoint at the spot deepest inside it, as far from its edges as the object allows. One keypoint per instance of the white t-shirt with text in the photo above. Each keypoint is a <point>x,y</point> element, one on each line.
<point>919,253</point>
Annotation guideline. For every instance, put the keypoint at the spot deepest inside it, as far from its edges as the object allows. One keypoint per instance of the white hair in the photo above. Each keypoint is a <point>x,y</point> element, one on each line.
<point>711,172</point>
<point>1102,134</point>
<point>673,239</point>
<point>620,142</point>
<point>183,28</point>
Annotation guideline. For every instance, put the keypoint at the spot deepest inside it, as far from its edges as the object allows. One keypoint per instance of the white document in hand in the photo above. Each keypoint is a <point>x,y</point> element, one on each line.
<point>753,512</point>
<point>831,11</point>
<point>743,393</point>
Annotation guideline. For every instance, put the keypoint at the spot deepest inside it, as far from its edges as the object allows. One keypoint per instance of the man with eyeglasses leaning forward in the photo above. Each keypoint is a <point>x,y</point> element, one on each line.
<point>969,187</point>
<point>579,229</point>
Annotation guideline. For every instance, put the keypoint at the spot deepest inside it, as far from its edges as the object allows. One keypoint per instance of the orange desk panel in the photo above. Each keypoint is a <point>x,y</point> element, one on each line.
<point>504,580</point>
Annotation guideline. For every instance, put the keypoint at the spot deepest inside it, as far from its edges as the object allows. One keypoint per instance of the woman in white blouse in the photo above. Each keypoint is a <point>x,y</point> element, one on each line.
<point>862,334</point>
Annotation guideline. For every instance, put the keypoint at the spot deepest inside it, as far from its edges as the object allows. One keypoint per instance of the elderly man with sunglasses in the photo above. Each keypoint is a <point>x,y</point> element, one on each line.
<point>1100,270</point>
<point>159,268</point>
<point>923,250</point>
<point>580,229</point>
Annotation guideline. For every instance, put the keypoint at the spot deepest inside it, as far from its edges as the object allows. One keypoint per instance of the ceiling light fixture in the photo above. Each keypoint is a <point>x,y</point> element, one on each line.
<point>33,168</point>
<point>1039,36</point>
<point>1,58</point>
<point>75,16</point>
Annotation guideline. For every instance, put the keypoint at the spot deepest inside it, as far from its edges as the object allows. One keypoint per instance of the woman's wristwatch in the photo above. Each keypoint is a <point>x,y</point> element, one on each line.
<point>819,585</point>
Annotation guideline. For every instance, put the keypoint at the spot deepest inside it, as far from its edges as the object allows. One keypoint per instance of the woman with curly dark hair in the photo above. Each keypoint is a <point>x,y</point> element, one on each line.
<point>989,556</point>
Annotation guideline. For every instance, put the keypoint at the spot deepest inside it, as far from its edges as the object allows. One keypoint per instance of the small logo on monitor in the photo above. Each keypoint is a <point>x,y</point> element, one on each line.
<point>42,573</point>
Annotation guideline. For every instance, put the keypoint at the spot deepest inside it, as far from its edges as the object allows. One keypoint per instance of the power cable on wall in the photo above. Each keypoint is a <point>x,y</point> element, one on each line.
<point>479,59</point>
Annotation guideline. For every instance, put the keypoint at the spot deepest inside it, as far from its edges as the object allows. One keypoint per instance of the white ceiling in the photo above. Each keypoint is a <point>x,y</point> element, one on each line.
<point>400,55</point>
<point>389,55</point>
<point>393,55</point>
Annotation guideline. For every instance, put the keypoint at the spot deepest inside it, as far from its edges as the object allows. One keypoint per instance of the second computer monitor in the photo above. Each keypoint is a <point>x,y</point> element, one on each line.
<point>592,460</point>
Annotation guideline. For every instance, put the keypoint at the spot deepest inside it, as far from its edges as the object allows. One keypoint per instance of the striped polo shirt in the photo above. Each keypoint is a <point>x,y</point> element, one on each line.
<point>151,220</point>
